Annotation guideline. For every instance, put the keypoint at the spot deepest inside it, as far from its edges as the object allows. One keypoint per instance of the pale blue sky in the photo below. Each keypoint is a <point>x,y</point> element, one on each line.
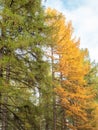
<point>72,4</point>
<point>84,17</point>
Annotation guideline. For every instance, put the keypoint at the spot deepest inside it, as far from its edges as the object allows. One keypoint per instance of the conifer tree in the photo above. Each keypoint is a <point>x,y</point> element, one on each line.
<point>70,71</point>
<point>23,70</point>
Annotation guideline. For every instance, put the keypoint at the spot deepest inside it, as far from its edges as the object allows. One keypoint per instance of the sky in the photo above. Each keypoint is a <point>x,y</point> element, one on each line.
<point>84,17</point>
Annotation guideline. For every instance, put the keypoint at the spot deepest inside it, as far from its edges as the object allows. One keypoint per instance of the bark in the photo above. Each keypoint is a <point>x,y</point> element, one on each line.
<point>5,100</point>
<point>54,98</point>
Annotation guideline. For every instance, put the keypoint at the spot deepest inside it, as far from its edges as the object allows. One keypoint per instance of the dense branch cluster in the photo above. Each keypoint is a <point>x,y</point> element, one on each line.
<point>46,81</point>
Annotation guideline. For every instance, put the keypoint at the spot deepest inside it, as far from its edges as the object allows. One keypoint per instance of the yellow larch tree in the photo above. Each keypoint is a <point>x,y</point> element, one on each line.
<point>70,71</point>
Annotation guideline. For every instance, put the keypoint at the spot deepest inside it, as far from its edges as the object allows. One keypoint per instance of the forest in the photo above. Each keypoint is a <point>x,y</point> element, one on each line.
<point>47,82</point>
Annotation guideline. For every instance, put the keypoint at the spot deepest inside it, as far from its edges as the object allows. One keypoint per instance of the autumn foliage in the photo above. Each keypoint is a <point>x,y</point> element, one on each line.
<point>74,95</point>
<point>47,82</point>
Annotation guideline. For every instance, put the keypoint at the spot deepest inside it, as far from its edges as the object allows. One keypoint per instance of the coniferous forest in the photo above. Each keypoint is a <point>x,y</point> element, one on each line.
<point>47,82</point>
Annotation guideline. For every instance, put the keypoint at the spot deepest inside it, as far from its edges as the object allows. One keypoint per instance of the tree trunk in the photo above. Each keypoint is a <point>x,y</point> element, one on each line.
<point>54,98</point>
<point>5,100</point>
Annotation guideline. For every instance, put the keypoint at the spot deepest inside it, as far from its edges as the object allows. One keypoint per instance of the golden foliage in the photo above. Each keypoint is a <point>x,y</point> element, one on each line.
<point>73,93</point>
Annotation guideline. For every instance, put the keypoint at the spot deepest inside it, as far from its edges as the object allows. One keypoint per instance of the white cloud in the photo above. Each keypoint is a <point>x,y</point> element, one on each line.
<point>85,22</point>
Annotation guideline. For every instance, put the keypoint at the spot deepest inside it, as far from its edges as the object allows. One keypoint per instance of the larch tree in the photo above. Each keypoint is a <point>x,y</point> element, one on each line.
<point>70,70</point>
<point>45,78</point>
<point>23,70</point>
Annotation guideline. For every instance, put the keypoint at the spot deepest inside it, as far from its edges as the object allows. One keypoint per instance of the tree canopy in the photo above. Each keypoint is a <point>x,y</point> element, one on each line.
<point>47,82</point>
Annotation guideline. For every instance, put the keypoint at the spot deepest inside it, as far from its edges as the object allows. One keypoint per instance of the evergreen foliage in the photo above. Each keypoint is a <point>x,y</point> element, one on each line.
<point>46,81</point>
